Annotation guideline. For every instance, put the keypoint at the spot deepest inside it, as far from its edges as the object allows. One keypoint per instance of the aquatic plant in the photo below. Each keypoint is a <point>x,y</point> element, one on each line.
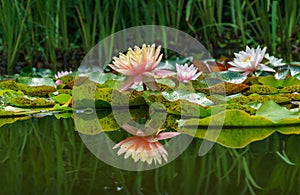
<point>186,73</point>
<point>145,148</point>
<point>274,61</point>
<point>60,75</point>
<point>249,61</point>
<point>140,65</point>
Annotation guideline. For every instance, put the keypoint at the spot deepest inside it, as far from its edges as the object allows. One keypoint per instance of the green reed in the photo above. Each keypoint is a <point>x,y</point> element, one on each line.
<point>46,26</point>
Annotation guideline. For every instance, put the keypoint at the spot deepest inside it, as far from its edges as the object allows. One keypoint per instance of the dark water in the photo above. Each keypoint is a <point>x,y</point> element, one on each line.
<point>46,156</point>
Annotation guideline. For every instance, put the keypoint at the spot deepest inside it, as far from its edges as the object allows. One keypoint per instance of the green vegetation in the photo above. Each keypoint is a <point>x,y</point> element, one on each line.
<point>40,29</point>
<point>52,159</point>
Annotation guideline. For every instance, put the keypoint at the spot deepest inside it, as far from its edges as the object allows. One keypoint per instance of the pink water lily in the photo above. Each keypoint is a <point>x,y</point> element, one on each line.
<point>140,65</point>
<point>144,148</point>
<point>59,75</point>
<point>249,61</point>
<point>187,72</point>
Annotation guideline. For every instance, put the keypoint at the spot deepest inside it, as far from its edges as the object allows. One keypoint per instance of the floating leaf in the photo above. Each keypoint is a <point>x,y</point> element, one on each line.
<point>198,98</point>
<point>25,102</point>
<point>228,76</point>
<point>262,89</point>
<point>274,112</point>
<point>239,128</point>
<point>35,81</point>
<point>291,89</point>
<point>225,88</point>
<point>273,82</point>
<point>62,98</point>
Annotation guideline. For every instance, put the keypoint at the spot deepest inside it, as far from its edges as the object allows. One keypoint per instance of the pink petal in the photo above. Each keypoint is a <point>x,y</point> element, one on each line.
<point>167,135</point>
<point>128,83</point>
<point>133,130</point>
<point>164,73</point>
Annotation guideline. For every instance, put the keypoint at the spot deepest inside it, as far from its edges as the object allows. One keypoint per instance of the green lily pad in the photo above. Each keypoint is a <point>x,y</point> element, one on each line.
<point>228,76</point>
<point>274,112</point>
<point>30,81</point>
<point>178,107</point>
<point>239,128</point>
<point>273,82</point>
<point>198,98</point>
<point>62,98</point>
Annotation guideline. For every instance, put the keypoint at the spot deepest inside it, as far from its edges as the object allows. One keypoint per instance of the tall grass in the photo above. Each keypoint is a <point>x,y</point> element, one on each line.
<point>46,26</point>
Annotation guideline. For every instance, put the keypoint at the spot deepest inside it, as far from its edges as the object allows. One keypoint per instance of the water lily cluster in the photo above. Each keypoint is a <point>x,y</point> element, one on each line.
<point>141,65</point>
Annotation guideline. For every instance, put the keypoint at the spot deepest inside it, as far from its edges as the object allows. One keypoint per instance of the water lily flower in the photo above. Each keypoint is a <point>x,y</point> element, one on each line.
<point>249,61</point>
<point>140,65</point>
<point>145,148</point>
<point>274,61</point>
<point>62,74</point>
<point>59,75</point>
<point>186,73</point>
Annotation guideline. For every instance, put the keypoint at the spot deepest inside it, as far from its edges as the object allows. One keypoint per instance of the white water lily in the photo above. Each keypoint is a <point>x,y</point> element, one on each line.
<point>249,61</point>
<point>186,73</point>
<point>274,61</point>
<point>62,74</point>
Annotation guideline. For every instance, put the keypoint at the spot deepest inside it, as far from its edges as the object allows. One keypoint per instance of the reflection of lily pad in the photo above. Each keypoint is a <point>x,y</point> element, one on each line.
<point>4,121</point>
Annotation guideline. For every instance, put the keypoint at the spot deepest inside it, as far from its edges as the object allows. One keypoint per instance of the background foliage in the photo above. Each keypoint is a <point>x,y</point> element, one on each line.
<point>31,30</point>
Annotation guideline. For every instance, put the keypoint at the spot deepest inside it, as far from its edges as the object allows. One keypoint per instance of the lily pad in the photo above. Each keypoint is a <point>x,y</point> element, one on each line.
<point>228,76</point>
<point>62,98</point>
<point>31,81</point>
<point>273,82</point>
<point>239,128</point>
<point>198,98</point>
<point>274,112</point>
<point>33,103</point>
<point>262,89</point>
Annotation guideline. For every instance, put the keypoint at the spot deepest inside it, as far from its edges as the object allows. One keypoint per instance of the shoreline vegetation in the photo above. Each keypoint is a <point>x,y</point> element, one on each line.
<point>57,34</point>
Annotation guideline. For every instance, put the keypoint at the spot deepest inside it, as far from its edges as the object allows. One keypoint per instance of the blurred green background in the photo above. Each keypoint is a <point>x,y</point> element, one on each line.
<point>58,33</point>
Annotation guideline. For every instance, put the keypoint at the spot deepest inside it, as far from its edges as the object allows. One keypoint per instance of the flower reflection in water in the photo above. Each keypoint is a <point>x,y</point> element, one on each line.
<point>145,148</point>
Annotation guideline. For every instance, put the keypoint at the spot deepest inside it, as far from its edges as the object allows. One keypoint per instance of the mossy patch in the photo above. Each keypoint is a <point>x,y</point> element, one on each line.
<point>224,88</point>
<point>179,107</point>
<point>9,84</point>
<point>262,90</point>
<point>25,102</point>
<point>291,89</point>
<point>259,99</point>
<point>41,91</point>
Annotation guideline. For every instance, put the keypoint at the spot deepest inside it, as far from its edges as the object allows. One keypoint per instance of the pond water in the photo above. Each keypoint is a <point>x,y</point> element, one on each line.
<point>46,156</point>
